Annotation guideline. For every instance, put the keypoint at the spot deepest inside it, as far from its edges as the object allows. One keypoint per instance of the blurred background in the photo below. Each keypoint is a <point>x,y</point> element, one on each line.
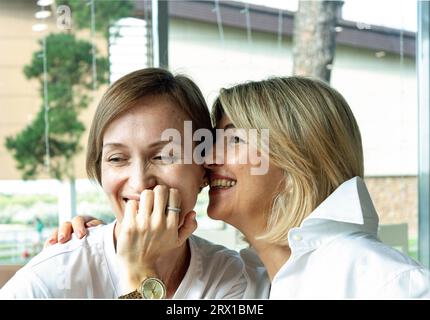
<point>58,57</point>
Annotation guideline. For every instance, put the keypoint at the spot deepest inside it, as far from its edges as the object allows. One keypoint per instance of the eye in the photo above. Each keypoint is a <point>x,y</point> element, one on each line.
<point>160,157</point>
<point>164,158</point>
<point>236,139</point>
<point>116,159</point>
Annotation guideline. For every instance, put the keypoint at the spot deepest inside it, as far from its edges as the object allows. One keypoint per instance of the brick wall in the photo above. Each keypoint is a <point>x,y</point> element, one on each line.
<point>396,200</point>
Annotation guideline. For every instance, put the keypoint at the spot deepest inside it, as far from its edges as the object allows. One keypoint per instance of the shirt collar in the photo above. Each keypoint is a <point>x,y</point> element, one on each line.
<point>191,284</point>
<point>349,203</point>
<point>348,208</point>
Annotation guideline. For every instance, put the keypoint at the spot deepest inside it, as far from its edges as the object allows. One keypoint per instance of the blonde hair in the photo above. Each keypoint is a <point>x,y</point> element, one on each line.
<point>314,139</point>
<point>126,92</point>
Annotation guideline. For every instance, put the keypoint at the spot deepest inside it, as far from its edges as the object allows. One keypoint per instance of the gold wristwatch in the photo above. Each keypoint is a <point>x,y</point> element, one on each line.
<point>149,288</point>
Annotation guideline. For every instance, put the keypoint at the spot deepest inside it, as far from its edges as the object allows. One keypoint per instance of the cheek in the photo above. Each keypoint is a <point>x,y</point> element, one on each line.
<point>187,179</point>
<point>110,182</point>
<point>265,188</point>
<point>254,191</point>
<point>236,155</point>
<point>111,185</point>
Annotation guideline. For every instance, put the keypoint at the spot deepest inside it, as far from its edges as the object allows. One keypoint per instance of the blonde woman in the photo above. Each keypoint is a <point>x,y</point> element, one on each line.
<point>317,233</point>
<point>150,191</point>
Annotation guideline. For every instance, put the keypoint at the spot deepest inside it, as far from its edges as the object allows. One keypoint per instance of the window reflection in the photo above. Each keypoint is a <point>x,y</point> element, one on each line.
<point>219,44</point>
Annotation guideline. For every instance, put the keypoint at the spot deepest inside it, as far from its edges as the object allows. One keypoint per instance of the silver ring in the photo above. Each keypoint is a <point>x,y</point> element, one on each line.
<point>177,210</point>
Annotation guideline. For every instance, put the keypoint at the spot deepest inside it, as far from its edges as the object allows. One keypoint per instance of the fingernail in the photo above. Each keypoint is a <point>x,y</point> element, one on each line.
<point>79,234</point>
<point>51,240</point>
<point>60,237</point>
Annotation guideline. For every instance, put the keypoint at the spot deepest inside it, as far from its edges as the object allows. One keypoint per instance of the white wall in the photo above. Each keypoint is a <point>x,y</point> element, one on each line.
<point>380,91</point>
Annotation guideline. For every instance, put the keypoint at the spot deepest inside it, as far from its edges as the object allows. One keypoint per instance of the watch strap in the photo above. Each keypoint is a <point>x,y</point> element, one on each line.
<point>132,295</point>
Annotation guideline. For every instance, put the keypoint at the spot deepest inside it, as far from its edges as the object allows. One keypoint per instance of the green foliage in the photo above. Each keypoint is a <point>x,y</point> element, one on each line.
<point>69,64</point>
<point>106,13</point>
<point>22,209</point>
<point>69,79</point>
<point>28,146</point>
<point>25,200</point>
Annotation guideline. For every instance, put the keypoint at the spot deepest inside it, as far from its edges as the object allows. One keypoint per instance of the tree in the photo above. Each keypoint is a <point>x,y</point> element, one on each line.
<point>69,81</point>
<point>69,73</point>
<point>106,13</point>
<point>70,65</point>
<point>315,38</point>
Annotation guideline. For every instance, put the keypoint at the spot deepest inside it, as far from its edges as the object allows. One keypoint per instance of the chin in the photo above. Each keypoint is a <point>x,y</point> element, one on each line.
<point>216,213</point>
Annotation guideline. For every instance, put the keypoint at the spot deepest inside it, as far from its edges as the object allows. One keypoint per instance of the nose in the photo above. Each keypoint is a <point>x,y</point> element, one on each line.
<point>141,177</point>
<point>215,156</point>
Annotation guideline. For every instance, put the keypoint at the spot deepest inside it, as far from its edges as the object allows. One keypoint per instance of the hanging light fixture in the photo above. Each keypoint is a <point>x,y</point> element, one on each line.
<point>42,14</point>
<point>44,3</point>
<point>39,27</point>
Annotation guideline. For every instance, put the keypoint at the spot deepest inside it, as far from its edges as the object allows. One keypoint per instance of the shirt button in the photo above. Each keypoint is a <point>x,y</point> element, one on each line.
<point>297,237</point>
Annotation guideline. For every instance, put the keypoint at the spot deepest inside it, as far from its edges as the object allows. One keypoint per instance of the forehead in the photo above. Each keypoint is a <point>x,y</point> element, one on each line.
<point>147,120</point>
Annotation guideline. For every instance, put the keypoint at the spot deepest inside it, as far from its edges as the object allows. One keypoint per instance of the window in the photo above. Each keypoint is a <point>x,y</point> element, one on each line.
<point>218,44</point>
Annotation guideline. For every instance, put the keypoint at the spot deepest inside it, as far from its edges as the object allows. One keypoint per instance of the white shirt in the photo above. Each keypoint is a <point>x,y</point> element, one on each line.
<point>335,255</point>
<point>258,282</point>
<point>87,268</point>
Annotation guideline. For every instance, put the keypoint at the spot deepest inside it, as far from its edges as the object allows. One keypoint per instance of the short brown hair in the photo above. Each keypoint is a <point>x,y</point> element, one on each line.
<point>126,92</point>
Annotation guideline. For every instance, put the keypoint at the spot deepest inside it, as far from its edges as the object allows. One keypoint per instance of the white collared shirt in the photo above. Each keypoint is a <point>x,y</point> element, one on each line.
<point>335,255</point>
<point>87,268</point>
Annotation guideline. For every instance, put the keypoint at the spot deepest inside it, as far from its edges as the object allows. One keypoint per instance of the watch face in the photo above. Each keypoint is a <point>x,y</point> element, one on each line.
<point>153,288</point>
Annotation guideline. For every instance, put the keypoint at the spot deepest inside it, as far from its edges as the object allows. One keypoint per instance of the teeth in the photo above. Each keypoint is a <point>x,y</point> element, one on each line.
<point>224,183</point>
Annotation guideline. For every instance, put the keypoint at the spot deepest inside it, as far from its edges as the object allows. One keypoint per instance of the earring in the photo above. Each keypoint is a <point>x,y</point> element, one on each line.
<point>205,183</point>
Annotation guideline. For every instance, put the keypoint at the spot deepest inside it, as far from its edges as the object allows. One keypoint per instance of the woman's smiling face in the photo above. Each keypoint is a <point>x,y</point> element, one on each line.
<point>132,158</point>
<point>237,196</point>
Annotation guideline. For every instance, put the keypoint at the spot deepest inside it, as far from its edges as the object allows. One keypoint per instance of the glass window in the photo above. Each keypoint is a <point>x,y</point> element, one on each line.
<point>373,67</point>
<point>218,44</point>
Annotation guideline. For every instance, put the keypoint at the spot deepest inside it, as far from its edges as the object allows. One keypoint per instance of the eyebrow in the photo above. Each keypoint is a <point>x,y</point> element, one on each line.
<point>229,126</point>
<point>113,144</point>
<point>152,145</point>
